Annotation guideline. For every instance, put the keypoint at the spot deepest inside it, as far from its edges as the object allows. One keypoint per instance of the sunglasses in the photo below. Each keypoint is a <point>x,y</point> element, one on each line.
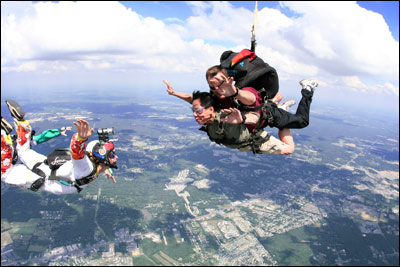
<point>213,88</point>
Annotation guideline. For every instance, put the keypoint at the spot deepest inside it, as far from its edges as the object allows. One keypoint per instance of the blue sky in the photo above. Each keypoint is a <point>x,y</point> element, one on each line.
<point>389,10</point>
<point>350,47</point>
<point>179,9</point>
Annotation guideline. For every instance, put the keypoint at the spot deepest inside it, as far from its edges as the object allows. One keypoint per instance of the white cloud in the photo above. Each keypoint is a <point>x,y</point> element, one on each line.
<point>223,22</point>
<point>286,65</point>
<point>332,41</point>
<point>89,34</point>
<point>326,39</point>
<point>343,39</point>
<point>344,84</point>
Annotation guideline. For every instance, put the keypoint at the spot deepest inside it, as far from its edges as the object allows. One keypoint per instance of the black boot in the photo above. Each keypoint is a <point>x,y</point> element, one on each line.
<point>15,109</point>
<point>6,126</point>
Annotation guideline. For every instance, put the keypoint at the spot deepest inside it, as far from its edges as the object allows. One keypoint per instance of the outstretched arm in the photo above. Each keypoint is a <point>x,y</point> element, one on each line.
<point>181,95</point>
<point>49,134</point>
<point>110,175</point>
<point>83,129</point>
<point>45,136</point>
<point>78,142</point>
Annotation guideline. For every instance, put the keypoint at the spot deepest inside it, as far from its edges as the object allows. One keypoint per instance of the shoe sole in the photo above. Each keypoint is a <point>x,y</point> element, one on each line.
<point>304,84</point>
<point>15,109</point>
<point>289,103</point>
<point>6,126</point>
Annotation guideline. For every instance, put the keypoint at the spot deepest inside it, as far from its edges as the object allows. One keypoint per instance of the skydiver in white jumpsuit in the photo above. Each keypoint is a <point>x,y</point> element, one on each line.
<point>32,170</point>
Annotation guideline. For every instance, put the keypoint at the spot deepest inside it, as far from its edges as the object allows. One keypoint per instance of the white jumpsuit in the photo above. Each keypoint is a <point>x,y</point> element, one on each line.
<point>20,174</point>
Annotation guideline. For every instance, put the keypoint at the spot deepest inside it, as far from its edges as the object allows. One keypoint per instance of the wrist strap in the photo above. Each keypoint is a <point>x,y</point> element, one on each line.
<point>80,138</point>
<point>237,92</point>
<point>244,119</point>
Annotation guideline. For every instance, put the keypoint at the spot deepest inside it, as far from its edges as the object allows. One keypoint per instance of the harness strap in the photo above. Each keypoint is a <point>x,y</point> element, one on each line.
<point>39,182</point>
<point>86,180</point>
<point>80,182</point>
<point>265,115</point>
<point>269,118</point>
<point>38,171</point>
<point>14,144</point>
<point>257,140</point>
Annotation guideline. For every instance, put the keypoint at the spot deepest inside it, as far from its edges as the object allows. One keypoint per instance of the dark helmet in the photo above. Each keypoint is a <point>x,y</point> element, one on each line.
<point>102,152</point>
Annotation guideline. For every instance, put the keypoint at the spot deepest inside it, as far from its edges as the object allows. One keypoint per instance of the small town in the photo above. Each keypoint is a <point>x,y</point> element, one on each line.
<point>216,230</point>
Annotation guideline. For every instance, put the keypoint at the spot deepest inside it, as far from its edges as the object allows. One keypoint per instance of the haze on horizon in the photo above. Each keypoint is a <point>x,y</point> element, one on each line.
<point>132,46</point>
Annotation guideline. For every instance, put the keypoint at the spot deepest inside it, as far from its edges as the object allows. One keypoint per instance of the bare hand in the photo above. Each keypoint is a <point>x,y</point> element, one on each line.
<point>233,116</point>
<point>83,129</point>
<point>228,87</point>
<point>66,129</point>
<point>170,90</point>
<point>110,176</point>
<point>224,87</point>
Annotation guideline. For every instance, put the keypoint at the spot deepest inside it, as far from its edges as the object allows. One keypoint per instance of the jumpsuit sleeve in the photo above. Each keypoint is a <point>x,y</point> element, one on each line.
<point>46,135</point>
<point>82,165</point>
<point>77,147</point>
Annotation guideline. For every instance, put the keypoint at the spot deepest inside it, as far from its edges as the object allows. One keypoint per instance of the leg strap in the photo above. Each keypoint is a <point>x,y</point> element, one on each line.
<point>39,182</point>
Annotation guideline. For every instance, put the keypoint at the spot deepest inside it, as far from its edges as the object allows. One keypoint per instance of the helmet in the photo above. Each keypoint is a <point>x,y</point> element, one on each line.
<point>101,151</point>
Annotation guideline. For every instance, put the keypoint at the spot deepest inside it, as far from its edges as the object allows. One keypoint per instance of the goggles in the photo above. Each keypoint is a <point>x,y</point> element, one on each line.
<point>199,110</point>
<point>111,155</point>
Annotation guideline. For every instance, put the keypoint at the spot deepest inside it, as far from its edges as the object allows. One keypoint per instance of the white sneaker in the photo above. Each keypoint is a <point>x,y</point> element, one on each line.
<point>309,84</point>
<point>287,104</point>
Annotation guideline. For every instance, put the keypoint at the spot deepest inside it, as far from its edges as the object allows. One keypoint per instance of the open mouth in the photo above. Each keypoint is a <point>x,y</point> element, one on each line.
<point>199,121</point>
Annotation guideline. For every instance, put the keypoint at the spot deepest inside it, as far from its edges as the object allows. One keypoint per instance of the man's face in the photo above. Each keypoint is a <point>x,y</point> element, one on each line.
<point>112,157</point>
<point>202,115</point>
<point>217,83</point>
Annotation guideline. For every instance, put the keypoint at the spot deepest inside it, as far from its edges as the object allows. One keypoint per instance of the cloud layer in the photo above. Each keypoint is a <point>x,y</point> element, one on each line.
<point>337,42</point>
